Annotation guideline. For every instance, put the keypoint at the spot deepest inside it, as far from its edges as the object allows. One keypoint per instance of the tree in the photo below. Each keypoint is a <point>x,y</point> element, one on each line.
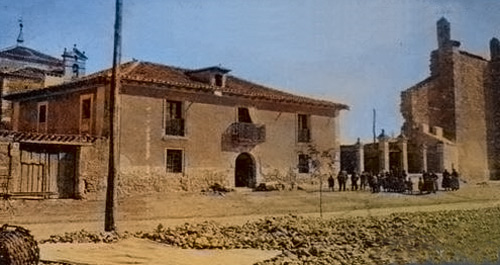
<point>322,164</point>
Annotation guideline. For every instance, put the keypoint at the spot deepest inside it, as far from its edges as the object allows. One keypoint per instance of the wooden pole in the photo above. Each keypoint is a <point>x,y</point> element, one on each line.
<point>373,128</point>
<point>114,126</point>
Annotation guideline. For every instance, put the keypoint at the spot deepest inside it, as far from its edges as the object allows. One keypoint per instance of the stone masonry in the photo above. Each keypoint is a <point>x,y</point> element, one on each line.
<point>452,115</point>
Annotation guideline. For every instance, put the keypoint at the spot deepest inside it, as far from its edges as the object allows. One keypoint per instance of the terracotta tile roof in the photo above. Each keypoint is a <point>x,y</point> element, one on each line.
<point>239,87</point>
<point>24,72</point>
<point>174,77</point>
<point>27,54</point>
<point>157,73</point>
<point>31,137</point>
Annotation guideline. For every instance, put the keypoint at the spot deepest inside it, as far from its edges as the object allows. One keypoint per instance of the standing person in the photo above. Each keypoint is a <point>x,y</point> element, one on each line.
<point>420,185</point>
<point>342,178</point>
<point>331,183</point>
<point>455,180</point>
<point>404,175</point>
<point>364,177</point>
<point>445,183</point>
<point>354,181</point>
<point>372,181</point>
<point>434,179</point>
<point>409,185</point>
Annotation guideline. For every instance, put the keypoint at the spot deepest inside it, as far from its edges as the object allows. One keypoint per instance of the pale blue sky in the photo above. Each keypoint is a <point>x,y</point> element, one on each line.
<point>361,53</point>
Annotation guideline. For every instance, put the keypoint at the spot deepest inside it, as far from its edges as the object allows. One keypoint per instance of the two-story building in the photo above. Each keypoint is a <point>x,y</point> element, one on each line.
<point>24,68</point>
<point>180,129</point>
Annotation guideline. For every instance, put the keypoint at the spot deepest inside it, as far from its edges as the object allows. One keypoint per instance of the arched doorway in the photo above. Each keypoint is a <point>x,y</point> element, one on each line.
<point>244,173</point>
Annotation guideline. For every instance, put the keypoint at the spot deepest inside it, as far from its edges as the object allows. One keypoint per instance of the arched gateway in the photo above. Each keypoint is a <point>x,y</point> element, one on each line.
<point>244,173</point>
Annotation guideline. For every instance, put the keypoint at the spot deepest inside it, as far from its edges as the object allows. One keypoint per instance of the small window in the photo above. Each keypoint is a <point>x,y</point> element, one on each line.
<point>303,163</point>
<point>86,108</point>
<point>42,114</point>
<point>304,132</point>
<point>244,115</point>
<point>174,122</point>
<point>76,70</point>
<point>86,113</point>
<point>174,161</point>
<point>219,80</point>
<point>42,117</point>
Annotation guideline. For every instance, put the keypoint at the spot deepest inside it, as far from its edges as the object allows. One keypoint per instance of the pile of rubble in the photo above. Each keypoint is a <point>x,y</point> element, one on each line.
<point>447,236</point>
<point>84,236</point>
<point>402,238</point>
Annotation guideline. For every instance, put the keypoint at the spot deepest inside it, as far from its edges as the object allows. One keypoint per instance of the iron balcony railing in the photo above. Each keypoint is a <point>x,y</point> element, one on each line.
<point>174,127</point>
<point>248,133</point>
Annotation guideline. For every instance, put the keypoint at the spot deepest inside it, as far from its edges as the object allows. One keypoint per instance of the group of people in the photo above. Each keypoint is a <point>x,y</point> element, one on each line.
<point>450,181</point>
<point>389,181</point>
<point>394,181</point>
<point>429,181</point>
<point>342,179</point>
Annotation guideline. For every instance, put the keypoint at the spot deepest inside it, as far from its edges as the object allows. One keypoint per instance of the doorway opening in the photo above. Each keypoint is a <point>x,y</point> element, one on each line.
<point>245,171</point>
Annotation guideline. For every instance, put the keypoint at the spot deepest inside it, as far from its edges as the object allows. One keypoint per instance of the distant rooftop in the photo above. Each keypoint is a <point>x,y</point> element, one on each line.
<point>27,54</point>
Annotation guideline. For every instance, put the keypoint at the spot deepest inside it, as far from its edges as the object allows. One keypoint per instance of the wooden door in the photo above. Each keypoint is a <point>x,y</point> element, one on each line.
<point>47,172</point>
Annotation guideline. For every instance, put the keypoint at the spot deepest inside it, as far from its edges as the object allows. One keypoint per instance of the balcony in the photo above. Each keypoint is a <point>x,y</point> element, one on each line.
<point>304,136</point>
<point>243,133</point>
<point>174,127</point>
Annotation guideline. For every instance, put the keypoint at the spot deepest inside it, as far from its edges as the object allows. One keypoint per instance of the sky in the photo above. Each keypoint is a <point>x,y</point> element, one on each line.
<point>362,53</point>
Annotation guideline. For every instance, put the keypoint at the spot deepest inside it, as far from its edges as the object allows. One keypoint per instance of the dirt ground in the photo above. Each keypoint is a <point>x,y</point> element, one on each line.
<point>141,251</point>
<point>143,213</point>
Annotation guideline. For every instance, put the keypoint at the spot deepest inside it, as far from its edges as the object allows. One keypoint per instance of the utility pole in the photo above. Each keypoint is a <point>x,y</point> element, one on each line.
<point>373,128</point>
<point>114,125</point>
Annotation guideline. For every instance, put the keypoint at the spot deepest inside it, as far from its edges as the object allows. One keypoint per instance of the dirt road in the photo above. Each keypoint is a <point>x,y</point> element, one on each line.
<point>44,230</point>
<point>141,251</point>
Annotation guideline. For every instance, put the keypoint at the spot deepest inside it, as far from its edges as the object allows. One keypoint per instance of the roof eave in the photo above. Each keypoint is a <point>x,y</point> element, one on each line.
<point>60,88</point>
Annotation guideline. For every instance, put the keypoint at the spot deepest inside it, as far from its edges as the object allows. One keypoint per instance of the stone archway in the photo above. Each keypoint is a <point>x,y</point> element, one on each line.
<point>244,173</point>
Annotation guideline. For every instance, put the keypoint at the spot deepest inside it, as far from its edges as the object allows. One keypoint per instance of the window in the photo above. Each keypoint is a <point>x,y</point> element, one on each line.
<point>219,80</point>
<point>76,70</point>
<point>303,133</point>
<point>244,115</point>
<point>86,108</point>
<point>42,114</point>
<point>303,163</point>
<point>85,113</point>
<point>174,122</point>
<point>42,117</point>
<point>174,161</point>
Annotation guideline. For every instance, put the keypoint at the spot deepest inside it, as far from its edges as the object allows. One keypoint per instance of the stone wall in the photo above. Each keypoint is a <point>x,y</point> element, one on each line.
<point>470,104</point>
<point>9,164</point>
<point>493,117</point>
<point>455,98</point>
<point>11,85</point>
<point>415,106</point>
<point>92,170</point>
<point>349,158</point>
<point>441,97</point>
